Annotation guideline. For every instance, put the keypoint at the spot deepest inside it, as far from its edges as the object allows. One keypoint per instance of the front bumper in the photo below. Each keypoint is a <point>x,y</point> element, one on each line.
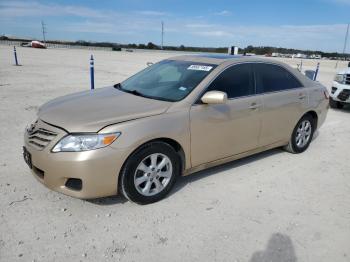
<point>97,170</point>
<point>340,92</point>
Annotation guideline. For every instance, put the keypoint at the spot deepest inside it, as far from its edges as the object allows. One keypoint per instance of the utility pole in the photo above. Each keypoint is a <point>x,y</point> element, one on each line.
<point>43,27</point>
<point>345,43</point>
<point>346,39</point>
<point>162,34</point>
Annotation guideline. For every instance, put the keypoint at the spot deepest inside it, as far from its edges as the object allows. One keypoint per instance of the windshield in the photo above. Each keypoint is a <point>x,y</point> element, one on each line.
<point>168,80</point>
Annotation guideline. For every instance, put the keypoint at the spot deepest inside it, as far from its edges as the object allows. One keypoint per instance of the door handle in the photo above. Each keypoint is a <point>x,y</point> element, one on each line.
<point>254,106</point>
<point>302,96</point>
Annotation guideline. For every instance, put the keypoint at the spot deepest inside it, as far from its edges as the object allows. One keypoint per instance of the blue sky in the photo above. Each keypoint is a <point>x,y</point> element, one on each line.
<point>308,24</point>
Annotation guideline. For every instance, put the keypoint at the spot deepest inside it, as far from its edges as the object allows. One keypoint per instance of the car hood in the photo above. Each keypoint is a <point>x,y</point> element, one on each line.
<point>92,110</point>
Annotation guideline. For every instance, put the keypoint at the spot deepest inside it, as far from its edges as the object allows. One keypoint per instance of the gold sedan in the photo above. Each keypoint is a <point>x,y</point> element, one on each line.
<point>176,117</point>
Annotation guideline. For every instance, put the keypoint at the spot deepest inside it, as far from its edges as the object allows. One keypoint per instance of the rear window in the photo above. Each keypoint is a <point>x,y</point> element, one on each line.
<point>272,78</point>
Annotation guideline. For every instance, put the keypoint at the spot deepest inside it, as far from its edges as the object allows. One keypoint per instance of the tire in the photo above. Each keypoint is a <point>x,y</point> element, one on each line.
<point>144,182</point>
<point>305,128</point>
<point>335,104</point>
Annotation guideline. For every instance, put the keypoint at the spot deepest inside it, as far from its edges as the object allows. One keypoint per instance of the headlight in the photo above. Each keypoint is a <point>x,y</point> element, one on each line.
<point>340,78</point>
<point>77,143</point>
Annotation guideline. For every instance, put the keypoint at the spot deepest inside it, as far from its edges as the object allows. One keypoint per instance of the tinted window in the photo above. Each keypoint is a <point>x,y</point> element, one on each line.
<point>236,81</point>
<point>272,78</point>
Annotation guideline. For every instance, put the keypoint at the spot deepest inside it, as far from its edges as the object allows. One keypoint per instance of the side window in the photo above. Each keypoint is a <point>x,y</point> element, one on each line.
<point>271,78</point>
<point>236,81</point>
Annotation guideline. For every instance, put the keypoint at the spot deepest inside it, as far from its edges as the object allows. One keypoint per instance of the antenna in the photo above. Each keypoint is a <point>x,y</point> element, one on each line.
<point>162,34</point>
<point>43,28</point>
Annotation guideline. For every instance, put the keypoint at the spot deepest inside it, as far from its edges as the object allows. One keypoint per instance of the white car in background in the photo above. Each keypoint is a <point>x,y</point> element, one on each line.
<point>340,93</point>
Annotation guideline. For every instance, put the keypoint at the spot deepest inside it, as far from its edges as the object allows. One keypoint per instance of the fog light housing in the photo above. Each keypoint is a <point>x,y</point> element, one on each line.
<point>74,184</point>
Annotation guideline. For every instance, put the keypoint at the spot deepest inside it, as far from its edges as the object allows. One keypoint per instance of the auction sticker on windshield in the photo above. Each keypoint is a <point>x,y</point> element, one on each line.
<point>199,68</point>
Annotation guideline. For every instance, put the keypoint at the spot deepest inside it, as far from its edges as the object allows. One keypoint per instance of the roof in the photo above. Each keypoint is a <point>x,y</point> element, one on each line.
<point>224,60</point>
<point>219,56</point>
<point>218,59</point>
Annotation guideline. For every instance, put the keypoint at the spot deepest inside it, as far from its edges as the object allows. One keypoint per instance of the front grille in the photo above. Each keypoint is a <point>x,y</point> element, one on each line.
<point>347,79</point>
<point>333,90</point>
<point>40,138</point>
<point>344,95</point>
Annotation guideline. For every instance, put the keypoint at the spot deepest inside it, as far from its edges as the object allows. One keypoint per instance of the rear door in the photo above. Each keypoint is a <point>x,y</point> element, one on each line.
<point>284,101</point>
<point>223,130</point>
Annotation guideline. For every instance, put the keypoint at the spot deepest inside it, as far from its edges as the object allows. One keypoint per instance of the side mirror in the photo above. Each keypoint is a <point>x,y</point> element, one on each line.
<point>214,97</point>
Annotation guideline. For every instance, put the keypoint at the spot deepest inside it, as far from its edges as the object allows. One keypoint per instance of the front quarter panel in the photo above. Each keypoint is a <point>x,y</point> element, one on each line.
<point>174,125</point>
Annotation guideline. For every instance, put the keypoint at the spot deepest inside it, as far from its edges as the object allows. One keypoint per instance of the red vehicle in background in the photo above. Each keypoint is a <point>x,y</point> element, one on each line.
<point>34,44</point>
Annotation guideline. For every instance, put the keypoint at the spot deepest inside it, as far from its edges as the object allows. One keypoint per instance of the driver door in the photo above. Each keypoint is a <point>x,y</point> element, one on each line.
<point>223,130</point>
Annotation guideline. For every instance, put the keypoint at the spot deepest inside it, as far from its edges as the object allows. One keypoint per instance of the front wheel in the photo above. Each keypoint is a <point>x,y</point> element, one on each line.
<point>302,135</point>
<point>150,173</point>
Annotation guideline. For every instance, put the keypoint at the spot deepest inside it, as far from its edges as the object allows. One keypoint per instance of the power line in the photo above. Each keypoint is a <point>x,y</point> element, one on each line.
<point>43,28</point>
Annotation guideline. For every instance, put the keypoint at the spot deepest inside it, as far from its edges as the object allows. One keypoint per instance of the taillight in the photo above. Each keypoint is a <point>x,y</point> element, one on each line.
<point>326,94</point>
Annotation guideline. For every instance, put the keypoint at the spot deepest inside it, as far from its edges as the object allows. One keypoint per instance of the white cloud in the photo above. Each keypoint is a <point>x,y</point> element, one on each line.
<point>91,27</point>
<point>313,37</point>
<point>197,25</point>
<point>133,27</point>
<point>151,13</point>
<point>223,13</point>
<point>346,2</point>
<point>32,9</point>
<point>217,33</point>
<point>144,25</point>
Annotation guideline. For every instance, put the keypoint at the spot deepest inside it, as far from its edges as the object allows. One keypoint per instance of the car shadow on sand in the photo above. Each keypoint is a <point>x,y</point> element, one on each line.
<point>345,109</point>
<point>106,201</point>
<point>185,180</point>
<point>279,249</point>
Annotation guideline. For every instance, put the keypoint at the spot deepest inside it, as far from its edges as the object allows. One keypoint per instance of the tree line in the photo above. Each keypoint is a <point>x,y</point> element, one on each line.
<point>258,50</point>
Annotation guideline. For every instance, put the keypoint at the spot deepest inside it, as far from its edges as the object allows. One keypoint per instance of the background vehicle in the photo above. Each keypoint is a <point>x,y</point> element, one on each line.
<point>34,44</point>
<point>340,93</point>
<point>174,118</point>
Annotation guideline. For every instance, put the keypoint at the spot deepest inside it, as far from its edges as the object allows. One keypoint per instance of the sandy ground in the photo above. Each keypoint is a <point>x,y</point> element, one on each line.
<point>274,206</point>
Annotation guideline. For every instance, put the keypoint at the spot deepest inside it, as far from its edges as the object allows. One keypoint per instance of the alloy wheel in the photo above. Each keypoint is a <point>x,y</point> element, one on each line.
<point>303,134</point>
<point>153,174</point>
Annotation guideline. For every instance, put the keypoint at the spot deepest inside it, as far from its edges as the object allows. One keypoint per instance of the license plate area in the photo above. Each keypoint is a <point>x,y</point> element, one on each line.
<point>27,157</point>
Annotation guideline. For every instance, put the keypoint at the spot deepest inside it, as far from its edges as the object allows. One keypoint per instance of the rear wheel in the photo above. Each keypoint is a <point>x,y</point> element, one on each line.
<point>150,173</point>
<point>335,104</point>
<point>302,135</point>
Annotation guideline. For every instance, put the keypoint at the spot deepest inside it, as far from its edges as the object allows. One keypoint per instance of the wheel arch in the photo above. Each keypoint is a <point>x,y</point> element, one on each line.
<point>176,146</point>
<point>171,142</point>
<point>314,116</point>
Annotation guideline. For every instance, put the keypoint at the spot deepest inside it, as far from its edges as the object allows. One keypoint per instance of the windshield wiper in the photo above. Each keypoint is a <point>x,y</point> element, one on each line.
<point>137,93</point>
<point>134,92</point>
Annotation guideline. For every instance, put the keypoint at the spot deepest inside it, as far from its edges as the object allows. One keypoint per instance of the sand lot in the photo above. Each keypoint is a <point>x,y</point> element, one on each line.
<point>274,206</point>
